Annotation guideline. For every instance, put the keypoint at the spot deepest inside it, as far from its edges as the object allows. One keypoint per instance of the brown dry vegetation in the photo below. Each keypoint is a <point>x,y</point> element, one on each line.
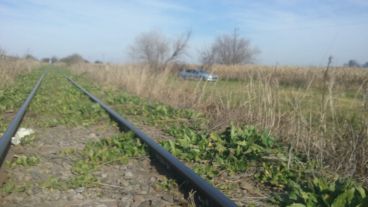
<point>320,114</point>
<point>10,68</point>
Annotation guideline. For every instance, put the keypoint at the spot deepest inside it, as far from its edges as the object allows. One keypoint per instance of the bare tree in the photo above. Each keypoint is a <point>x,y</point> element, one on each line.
<point>207,57</point>
<point>179,47</point>
<point>154,49</point>
<point>230,49</point>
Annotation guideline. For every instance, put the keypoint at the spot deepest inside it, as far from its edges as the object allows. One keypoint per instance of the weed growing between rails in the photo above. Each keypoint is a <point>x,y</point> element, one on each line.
<point>287,101</point>
<point>96,154</point>
<point>22,160</point>
<point>58,103</point>
<point>69,167</point>
<point>238,151</point>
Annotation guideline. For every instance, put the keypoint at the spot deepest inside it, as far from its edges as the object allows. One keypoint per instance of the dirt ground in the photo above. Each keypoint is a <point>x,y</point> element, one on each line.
<point>133,184</point>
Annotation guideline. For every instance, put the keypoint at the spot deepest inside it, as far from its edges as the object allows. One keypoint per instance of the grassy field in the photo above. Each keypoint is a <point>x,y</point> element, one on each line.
<point>319,113</point>
<point>296,143</point>
<point>10,69</point>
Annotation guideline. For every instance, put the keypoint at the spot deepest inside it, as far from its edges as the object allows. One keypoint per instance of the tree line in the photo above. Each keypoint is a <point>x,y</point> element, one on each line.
<point>355,64</point>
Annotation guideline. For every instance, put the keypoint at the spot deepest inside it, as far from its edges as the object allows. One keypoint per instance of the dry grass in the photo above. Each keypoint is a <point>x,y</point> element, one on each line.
<point>322,114</point>
<point>344,78</point>
<point>11,68</point>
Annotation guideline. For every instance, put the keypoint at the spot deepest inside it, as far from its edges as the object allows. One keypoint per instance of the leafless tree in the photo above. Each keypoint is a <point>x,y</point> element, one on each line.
<point>230,49</point>
<point>157,50</point>
<point>207,57</point>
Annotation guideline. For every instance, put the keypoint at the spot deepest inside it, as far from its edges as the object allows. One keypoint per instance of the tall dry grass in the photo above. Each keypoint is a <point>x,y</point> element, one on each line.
<point>344,78</point>
<point>11,68</point>
<point>321,114</point>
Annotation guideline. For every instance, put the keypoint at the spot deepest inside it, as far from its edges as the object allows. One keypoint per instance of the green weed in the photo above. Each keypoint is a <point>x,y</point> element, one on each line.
<point>238,149</point>
<point>167,184</point>
<point>59,103</point>
<point>68,151</point>
<point>23,160</point>
<point>10,187</point>
<point>54,183</point>
<point>113,150</point>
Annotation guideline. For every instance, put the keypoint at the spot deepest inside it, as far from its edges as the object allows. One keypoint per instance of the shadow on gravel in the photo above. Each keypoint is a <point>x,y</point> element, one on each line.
<point>186,188</point>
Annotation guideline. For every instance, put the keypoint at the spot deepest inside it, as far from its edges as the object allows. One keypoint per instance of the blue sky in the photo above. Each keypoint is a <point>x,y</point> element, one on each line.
<point>288,32</point>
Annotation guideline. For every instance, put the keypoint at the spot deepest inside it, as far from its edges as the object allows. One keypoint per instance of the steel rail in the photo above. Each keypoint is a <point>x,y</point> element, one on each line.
<point>17,120</point>
<point>214,195</point>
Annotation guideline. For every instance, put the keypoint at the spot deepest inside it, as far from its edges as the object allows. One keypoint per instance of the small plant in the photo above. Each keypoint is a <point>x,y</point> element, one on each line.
<point>10,187</point>
<point>167,184</point>
<point>23,160</point>
<point>320,192</point>
<point>83,180</point>
<point>68,151</point>
<point>54,183</point>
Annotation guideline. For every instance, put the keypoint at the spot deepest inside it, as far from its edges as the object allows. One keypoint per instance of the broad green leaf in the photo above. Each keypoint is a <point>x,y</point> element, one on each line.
<point>344,199</point>
<point>361,191</point>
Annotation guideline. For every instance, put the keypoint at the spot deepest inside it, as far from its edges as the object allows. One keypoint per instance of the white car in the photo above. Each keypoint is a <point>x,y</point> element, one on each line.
<point>197,74</point>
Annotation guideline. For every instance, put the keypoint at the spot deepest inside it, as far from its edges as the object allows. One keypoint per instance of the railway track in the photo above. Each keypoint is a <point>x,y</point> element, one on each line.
<point>206,192</point>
